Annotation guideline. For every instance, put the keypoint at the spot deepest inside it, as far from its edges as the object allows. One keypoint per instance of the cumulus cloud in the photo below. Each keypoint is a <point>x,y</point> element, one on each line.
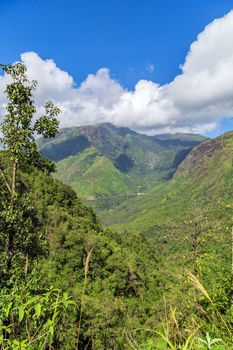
<point>196,100</point>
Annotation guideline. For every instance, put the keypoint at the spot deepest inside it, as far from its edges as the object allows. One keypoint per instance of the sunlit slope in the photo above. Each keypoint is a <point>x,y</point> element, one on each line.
<point>92,175</point>
<point>199,181</point>
<point>107,165</point>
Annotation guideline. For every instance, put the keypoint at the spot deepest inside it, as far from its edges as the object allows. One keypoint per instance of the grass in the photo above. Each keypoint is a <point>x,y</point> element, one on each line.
<point>174,338</point>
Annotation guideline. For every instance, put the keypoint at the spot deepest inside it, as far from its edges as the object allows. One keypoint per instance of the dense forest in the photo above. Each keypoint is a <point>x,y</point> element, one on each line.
<point>154,273</point>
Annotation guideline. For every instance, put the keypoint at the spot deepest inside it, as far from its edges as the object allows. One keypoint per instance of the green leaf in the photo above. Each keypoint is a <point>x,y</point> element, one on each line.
<point>8,309</point>
<point>65,296</point>
<point>169,343</point>
<point>189,339</point>
<point>215,340</point>
<point>51,330</point>
<point>38,310</point>
<point>21,313</point>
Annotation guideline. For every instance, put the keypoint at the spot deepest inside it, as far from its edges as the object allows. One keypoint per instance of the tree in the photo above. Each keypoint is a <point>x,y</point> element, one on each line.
<point>19,130</point>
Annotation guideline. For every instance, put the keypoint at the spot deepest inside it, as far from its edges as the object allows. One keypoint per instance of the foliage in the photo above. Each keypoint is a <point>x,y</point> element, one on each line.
<point>67,282</point>
<point>18,130</point>
<point>18,218</point>
<point>208,342</point>
<point>35,321</point>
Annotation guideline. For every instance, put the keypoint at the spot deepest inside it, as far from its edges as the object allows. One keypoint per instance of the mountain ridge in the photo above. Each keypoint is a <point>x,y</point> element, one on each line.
<point>132,162</point>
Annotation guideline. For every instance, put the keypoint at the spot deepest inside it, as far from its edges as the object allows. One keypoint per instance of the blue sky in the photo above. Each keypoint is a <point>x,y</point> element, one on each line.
<point>124,35</point>
<point>134,39</point>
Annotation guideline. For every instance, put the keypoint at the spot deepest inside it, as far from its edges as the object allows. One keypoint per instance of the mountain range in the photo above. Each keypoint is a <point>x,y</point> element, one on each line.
<point>108,165</point>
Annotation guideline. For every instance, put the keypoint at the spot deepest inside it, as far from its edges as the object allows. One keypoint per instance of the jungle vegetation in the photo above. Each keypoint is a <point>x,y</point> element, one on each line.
<point>164,281</point>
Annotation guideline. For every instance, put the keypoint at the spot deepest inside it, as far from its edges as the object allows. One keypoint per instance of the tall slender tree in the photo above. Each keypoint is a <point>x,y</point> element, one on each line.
<point>19,130</point>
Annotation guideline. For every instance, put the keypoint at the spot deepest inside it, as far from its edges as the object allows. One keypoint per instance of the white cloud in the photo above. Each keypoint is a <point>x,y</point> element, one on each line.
<point>200,96</point>
<point>52,81</point>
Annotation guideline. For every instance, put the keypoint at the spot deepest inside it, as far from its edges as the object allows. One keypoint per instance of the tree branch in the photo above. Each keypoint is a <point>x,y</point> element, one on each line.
<point>5,181</point>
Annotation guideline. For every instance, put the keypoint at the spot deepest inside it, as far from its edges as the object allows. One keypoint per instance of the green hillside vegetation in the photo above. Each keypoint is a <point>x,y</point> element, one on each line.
<point>131,163</point>
<point>193,139</point>
<point>67,281</point>
<point>117,275</point>
<point>118,271</point>
<point>199,181</point>
<point>130,280</point>
<point>186,221</point>
<point>96,174</point>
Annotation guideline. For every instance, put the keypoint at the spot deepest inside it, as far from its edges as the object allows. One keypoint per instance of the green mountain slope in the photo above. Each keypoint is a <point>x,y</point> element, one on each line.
<point>129,277</point>
<point>185,224</point>
<point>91,174</point>
<point>199,181</point>
<point>107,165</point>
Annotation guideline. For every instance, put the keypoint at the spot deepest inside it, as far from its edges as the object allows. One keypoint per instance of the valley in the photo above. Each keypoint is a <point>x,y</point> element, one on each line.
<point>172,191</point>
<point>107,165</point>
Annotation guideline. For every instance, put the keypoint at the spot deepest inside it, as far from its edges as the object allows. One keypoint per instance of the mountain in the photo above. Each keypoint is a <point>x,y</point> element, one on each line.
<point>203,180</point>
<point>135,279</point>
<point>107,165</point>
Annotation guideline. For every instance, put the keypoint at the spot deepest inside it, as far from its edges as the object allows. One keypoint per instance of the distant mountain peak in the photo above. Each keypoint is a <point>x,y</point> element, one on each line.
<point>109,163</point>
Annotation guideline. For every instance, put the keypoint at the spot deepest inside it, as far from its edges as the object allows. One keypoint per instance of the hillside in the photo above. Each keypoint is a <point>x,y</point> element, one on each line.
<point>106,165</point>
<point>200,181</point>
<point>182,223</point>
<point>65,231</point>
<point>133,274</point>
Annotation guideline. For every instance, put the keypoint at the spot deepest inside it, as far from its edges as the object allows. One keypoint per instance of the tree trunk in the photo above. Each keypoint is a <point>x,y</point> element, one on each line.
<point>11,234</point>
<point>14,170</point>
